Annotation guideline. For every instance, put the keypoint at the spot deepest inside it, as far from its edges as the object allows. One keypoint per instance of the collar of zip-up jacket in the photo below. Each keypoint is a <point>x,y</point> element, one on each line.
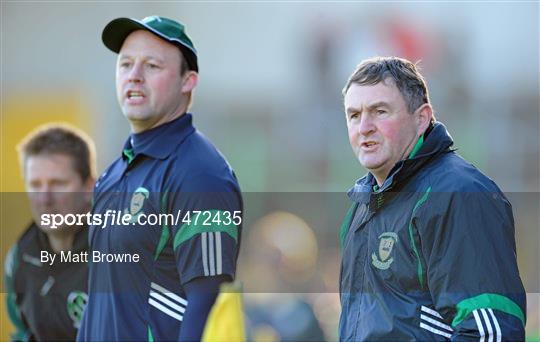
<point>437,141</point>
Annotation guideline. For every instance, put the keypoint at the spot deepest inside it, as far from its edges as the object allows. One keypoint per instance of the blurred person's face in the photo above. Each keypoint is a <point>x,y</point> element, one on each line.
<point>381,129</point>
<point>149,86</point>
<point>54,187</point>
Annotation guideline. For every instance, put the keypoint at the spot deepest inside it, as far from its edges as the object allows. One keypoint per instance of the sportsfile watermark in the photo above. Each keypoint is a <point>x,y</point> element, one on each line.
<point>120,218</point>
<point>296,235</point>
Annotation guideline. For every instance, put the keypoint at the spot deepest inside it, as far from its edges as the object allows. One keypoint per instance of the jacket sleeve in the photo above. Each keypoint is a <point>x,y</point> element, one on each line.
<point>468,245</point>
<point>206,240</point>
<point>21,330</point>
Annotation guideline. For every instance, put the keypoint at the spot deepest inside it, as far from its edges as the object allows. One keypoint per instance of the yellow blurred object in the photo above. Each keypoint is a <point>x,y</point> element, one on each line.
<point>226,319</point>
<point>265,333</point>
<point>286,240</point>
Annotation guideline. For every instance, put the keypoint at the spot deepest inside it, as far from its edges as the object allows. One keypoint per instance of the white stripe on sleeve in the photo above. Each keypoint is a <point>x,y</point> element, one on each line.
<point>164,309</point>
<point>497,327</point>
<point>479,325</point>
<point>204,253</point>
<point>435,322</point>
<point>218,253</point>
<point>435,331</point>
<point>488,325</point>
<point>211,253</point>
<point>431,312</point>
<point>169,293</point>
<point>164,300</point>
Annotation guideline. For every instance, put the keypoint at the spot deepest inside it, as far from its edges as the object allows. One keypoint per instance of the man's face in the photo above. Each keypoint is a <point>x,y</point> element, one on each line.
<point>54,187</point>
<point>381,129</point>
<point>148,81</point>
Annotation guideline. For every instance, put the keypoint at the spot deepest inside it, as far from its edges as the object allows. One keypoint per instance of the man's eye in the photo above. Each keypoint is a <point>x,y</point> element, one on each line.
<point>354,116</point>
<point>125,64</point>
<point>381,111</point>
<point>153,66</point>
<point>34,185</point>
<point>59,182</point>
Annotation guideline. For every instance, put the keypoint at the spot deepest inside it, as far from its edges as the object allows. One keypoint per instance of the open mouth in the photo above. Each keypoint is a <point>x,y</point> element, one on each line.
<point>134,94</point>
<point>369,144</point>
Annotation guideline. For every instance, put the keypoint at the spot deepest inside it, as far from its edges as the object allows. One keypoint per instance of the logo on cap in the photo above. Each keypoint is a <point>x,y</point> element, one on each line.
<point>150,18</point>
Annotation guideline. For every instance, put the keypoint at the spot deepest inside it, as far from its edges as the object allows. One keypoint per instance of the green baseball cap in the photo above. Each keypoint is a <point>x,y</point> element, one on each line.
<point>174,32</point>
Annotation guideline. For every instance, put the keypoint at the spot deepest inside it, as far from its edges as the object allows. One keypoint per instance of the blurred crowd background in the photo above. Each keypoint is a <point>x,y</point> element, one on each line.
<point>269,97</point>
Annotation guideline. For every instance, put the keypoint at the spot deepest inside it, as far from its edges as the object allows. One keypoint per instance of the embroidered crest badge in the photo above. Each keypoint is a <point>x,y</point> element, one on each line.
<point>137,203</point>
<point>387,241</point>
<point>76,302</point>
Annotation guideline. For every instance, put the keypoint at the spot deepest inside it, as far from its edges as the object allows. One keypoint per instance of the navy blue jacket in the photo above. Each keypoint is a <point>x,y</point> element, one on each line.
<point>172,169</point>
<point>430,255</point>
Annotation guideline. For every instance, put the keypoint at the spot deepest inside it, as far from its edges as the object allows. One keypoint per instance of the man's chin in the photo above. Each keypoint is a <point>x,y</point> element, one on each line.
<point>49,230</point>
<point>370,164</point>
<point>58,231</point>
<point>135,116</point>
<point>140,112</point>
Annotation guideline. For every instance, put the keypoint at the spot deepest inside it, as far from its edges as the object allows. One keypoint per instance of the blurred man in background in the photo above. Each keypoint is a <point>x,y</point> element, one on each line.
<point>45,300</point>
<point>428,245</point>
<point>166,167</point>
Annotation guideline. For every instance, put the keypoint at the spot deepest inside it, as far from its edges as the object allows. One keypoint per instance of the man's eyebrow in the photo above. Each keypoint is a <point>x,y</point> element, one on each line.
<point>146,58</point>
<point>370,107</point>
<point>351,110</point>
<point>155,59</point>
<point>378,104</point>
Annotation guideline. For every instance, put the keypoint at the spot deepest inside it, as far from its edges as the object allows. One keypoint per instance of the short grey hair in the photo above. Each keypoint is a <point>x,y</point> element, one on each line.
<point>404,73</point>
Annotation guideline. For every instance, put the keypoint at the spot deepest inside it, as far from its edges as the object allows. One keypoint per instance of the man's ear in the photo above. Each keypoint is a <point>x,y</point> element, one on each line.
<point>190,80</point>
<point>89,184</point>
<point>89,188</point>
<point>423,114</point>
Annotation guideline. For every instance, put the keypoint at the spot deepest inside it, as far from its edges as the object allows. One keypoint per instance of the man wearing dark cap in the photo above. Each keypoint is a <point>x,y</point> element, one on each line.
<point>182,236</point>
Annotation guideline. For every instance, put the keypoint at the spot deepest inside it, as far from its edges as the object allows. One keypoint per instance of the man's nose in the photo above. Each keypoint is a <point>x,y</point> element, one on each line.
<point>366,125</point>
<point>44,196</point>
<point>136,73</point>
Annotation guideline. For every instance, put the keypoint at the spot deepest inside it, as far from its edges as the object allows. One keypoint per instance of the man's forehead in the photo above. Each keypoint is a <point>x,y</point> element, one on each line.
<point>55,158</point>
<point>37,165</point>
<point>386,85</point>
<point>371,94</point>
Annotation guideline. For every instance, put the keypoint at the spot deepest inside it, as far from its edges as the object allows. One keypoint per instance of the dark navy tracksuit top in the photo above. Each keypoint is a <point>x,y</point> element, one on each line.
<point>430,255</point>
